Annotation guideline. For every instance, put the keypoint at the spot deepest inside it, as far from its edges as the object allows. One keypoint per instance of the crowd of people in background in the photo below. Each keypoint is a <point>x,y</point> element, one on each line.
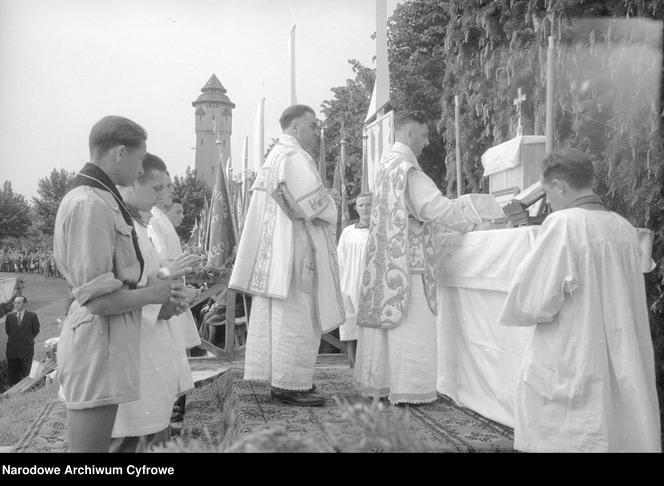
<point>22,257</point>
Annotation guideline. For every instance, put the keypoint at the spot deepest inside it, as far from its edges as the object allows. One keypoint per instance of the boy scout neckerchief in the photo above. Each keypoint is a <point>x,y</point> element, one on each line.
<point>92,176</point>
<point>136,215</point>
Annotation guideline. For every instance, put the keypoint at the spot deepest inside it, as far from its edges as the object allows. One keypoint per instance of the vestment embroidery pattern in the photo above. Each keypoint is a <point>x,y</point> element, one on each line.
<point>318,201</point>
<point>385,279</point>
<point>261,273</point>
<point>393,253</point>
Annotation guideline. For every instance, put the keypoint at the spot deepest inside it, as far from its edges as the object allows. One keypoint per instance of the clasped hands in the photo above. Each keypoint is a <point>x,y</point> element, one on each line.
<point>168,282</point>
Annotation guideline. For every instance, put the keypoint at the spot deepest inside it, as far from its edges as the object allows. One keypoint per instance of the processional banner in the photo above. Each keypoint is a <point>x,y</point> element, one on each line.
<point>378,138</point>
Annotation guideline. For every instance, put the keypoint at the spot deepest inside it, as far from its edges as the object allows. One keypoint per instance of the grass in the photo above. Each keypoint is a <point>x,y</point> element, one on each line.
<point>47,297</point>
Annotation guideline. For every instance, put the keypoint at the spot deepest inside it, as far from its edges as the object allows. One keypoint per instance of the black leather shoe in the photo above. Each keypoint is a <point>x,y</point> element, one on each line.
<point>300,398</point>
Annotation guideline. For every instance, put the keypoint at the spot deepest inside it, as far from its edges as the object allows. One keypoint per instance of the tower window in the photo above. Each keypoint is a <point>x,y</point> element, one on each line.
<point>202,140</point>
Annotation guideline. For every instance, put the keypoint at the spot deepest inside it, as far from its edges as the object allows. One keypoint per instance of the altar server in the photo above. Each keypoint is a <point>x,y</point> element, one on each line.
<point>587,381</point>
<point>351,250</point>
<point>396,355</point>
<point>287,260</point>
<point>164,368</point>
<point>161,230</point>
<point>167,244</point>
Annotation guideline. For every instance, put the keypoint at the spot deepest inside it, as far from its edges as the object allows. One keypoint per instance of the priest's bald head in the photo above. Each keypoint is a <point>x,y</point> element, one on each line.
<point>411,129</point>
<point>567,174</point>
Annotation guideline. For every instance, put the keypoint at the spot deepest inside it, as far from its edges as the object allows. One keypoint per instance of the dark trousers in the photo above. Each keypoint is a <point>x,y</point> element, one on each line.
<point>18,368</point>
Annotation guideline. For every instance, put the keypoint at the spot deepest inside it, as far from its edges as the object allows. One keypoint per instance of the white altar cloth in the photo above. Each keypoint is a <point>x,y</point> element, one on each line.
<point>478,360</point>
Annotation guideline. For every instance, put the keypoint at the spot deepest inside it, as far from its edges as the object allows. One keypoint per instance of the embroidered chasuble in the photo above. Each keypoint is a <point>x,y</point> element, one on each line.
<point>288,188</point>
<point>399,244</point>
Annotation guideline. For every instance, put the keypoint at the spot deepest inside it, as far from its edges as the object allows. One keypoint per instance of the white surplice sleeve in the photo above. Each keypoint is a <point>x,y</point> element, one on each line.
<point>547,275</point>
<point>342,252</point>
<point>427,204</point>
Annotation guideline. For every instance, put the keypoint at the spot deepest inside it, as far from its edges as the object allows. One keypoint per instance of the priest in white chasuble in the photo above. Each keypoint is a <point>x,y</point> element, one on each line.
<point>287,260</point>
<point>587,381</point>
<point>351,250</point>
<point>397,349</point>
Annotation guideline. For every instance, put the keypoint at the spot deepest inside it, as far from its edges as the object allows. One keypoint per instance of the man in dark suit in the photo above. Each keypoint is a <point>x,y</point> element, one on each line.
<point>22,326</point>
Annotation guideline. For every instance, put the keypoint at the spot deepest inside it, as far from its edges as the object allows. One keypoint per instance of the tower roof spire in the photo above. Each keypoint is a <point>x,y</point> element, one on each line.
<point>213,84</point>
<point>213,92</point>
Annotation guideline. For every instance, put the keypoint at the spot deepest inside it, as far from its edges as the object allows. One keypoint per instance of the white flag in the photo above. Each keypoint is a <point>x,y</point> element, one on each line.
<point>259,137</point>
<point>245,169</point>
<point>291,50</point>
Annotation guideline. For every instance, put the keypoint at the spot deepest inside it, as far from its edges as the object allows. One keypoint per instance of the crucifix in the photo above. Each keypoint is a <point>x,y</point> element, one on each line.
<point>517,102</point>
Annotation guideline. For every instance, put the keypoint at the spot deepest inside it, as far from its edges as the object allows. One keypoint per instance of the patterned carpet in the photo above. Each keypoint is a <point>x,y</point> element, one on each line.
<point>47,432</point>
<point>228,413</point>
<point>245,409</point>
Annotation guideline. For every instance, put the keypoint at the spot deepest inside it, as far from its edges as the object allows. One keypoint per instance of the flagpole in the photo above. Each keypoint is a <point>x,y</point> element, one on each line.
<point>342,179</point>
<point>550,80</point>
<point>208,223</point>
<point>245,169</point>
<point>232,200</point>
<point>292,65</point>
<point>321,158</point>
<point>382,63</point>
<point>365,168</point>
<point>457,131</point>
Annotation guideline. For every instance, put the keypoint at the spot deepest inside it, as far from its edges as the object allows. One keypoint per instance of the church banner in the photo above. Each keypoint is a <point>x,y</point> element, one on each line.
<point>378,138</point>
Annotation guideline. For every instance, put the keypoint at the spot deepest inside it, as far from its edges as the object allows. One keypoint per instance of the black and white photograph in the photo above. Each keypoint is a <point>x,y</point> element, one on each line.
<point>316,226</point>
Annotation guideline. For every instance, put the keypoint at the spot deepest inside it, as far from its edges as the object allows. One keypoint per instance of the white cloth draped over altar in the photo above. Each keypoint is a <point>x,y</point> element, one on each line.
<point>478,360</point>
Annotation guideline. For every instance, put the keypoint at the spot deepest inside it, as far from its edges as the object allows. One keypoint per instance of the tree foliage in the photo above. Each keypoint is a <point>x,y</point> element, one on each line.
<point>608,98</point>
<point>418,63</point>
<point>51,190</point>
<point>14,212</point>
<point>193,193</point>
<point>348,109</point>
<point>485,50</point>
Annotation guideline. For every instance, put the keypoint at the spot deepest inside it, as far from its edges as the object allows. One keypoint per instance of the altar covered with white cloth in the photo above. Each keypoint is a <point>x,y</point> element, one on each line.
<point>479,360</point>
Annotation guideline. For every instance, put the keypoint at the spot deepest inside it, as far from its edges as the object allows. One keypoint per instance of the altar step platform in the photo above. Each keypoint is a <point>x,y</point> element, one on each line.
<point>224,412</point>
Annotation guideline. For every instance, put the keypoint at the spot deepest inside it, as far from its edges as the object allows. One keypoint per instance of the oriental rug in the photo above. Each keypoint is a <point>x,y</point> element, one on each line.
<point>245,411</point>
<point>230,414</point>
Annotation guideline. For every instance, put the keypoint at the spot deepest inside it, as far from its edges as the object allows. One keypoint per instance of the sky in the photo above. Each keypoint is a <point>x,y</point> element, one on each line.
<point>64,64</point>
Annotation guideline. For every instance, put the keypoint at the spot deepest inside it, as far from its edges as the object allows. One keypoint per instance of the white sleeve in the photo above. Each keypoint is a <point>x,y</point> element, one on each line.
<point>427,204</point>
<point>543,279</point>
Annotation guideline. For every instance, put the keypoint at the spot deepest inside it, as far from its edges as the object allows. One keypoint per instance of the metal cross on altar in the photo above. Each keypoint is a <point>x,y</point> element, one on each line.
<point>517,102</point>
